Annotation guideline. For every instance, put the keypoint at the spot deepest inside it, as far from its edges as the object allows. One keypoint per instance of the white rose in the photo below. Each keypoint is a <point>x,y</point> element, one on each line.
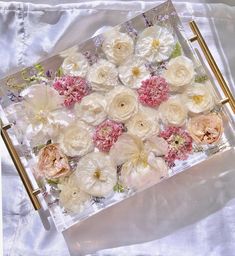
<point>173,111</point>
<point>91,109</point>
<point>199,98</point>
<point>103,76</point>
<point>76,140</point>
<point>117,46</point>
<point>96,174</point>
<point>71,197</point>
<point>155,43</point>
<point>180,73</point>
<point>143,124</point>
<point>133,71</point>
<point>75,65</point>
<point>122,103</point>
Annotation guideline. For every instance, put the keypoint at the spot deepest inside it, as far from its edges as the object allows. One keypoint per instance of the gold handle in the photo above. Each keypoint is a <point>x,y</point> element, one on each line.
<point>197,36</point>
<point>20,168</point>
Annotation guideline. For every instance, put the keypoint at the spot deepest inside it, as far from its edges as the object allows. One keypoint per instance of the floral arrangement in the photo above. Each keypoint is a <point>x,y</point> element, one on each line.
<point>120,121</point>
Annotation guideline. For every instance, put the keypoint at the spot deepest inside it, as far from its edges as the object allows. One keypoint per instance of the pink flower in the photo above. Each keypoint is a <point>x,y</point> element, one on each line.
<point>74,88</point>
<point>106,134</point>
<point>52,163</point>
<point>180,144</point>
<point>153,91</point>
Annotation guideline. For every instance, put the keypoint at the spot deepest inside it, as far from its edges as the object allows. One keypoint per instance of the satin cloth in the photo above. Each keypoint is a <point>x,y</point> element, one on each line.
<point>29,33</point>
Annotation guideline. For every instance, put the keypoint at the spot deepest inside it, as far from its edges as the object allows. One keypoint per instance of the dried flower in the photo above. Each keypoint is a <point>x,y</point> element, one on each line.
<point>153,91</point>
<point>106,134</point>
<point>179,142</point>
<point>52,163</point>
<point>155,44</point>
<point>206,129</point>
<point>96,174</point>
<point>71,197</point>
<point>73,88</point>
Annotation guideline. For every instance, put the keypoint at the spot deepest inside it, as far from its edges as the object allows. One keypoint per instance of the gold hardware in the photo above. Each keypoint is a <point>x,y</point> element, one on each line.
<point>197,36</point>
<point>224,101</point>
<point>19,166</point>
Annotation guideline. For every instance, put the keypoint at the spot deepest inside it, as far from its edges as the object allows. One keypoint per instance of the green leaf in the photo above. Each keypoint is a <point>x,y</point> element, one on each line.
<point>177,51</point>
<point>201,79</point>
<point>40,69</point>
<point>53,181</point>
<point>60,72</point>
<point>118,188</point>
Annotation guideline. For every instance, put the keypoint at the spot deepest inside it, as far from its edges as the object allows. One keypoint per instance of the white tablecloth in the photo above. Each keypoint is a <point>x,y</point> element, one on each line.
<point>31,32</point>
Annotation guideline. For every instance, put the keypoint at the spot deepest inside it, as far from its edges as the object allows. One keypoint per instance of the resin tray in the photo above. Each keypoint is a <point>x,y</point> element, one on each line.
<point>146,67</point>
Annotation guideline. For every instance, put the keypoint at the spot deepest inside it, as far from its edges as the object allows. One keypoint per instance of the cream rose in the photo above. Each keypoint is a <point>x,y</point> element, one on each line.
<point>206,129</point>
<point>179,73</point>
<point>75,65</point>
<point>199,98</point>
<point>173,111</point>
<point>117,46</point>
<point>133,71</point>
<point>103,76</point>
<point>155,44</point>
<point>91,109</point>
<point>76,140</point>
<point>122,104</point>
<point>143,124</point>
<point>96,174</point>
<point>71,197</point>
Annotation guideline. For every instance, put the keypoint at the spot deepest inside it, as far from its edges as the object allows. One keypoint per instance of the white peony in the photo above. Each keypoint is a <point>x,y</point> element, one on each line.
<point>179,73</point>
<point>122,104</point>
<point>133,71</point>
<point>157,145</point>
<point>75,64</point>
<point>42,113</point>
<point>155,44</point>
<point>71,197</point>
<point>173,111</point>
<point>103,76</point>
<point>140,167</point>
<point>143,124</point>
<point>117,46</point>
<point>199,98</point>
<point>96,174</point>
<point>91,109</point>
<point>76,139</point>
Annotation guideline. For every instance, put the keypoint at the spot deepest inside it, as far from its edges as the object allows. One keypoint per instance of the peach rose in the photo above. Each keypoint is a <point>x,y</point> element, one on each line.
<point>52,163</point>
<point>206,129</point>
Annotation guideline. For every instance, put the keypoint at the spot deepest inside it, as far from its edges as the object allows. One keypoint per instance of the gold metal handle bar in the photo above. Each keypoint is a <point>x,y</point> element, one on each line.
<point>197,36</point>
<point>19,166</point>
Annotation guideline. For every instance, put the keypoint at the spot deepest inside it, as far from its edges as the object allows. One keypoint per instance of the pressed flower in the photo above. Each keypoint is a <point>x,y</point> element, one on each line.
<point>179,144</point>
<point>117,46</point>
<point>73,88</point>
<point>153,91</point>
<point>155,44</point>
<point>76,139</point>
<point>91,109</point>
<point>103,76</point>
<point>140,167</point>
<point>52,162</point>
<point>106,134</point>
<point>206,129</point>
<point>71,197</point>
<point>96,174</point>
<point>179,73</point>
<point>133,71</point>
<point>121,104</point>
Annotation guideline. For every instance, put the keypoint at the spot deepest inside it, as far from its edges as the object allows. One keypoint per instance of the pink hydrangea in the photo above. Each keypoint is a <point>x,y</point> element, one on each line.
<point>74,88</point>
<point>180,144</point>
<point>106,134</point>
<point>153,91</point>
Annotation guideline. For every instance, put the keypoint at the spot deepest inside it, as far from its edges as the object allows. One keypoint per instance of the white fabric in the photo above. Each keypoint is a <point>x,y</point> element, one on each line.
<point>29,33</point>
